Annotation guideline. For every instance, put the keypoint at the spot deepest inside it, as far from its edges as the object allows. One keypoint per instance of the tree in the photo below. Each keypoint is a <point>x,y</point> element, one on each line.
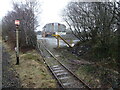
<point>96,23</point>
<point>27,14</point>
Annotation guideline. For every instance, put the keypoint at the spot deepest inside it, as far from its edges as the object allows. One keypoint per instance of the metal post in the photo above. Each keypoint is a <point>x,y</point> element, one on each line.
<point>17,44</point>
<point>58,42</point>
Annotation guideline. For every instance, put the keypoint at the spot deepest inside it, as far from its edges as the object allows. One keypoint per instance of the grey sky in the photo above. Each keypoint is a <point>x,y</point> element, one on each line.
<point>51,10</point>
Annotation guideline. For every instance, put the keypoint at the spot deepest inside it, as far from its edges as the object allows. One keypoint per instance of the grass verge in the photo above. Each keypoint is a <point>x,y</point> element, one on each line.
<point>32,71</point>
<point>97,77</point>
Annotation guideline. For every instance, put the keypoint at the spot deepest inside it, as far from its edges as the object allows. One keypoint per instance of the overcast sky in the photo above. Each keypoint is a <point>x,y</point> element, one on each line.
<point>51,10</point>
<point>5,5</point>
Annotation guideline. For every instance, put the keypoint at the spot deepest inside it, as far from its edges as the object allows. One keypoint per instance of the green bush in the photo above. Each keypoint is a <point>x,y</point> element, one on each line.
<point>100,50</point>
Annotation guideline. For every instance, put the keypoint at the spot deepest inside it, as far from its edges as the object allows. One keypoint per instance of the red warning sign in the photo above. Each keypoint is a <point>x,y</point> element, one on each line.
<point>17,22</point>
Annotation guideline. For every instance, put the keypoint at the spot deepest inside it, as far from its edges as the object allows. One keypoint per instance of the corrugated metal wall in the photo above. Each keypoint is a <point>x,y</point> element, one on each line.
<point>54,27</point>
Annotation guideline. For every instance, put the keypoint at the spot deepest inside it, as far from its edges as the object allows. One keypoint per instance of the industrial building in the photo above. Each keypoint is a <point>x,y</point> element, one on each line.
<point>53,28</point>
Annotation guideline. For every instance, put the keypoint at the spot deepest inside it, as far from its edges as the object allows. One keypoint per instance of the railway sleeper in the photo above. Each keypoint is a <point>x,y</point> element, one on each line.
<point>65,77</point>
<point>57,71</point>
<point>57,68</point>
<point>68,83</point>
<point>74,84</point>
<point>63,73</point>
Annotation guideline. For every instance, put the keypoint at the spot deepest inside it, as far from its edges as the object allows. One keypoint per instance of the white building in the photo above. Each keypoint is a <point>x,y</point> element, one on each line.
<point>54,27</point>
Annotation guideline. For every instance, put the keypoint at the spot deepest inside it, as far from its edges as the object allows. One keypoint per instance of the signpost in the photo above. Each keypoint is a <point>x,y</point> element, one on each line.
<point>17,23</point>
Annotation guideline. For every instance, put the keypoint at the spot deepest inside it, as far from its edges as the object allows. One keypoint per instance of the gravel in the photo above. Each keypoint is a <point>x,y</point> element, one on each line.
<point>10,79</point>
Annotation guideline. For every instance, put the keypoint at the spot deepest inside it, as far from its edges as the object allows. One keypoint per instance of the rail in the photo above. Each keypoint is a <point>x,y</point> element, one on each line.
<point>64,68</point>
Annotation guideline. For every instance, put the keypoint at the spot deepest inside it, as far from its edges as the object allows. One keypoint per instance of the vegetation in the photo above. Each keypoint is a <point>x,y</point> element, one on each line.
<point>0,29</point>
<point>26,12</point>
<point>98,77</point>
<point>32,71</point>
<point>96,25</point>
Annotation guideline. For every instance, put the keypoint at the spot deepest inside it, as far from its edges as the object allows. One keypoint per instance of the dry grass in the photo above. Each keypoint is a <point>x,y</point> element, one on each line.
<point>32,73</point>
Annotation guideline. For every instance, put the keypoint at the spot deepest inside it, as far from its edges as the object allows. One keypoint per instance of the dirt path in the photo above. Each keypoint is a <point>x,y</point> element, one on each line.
<point>9,76</point>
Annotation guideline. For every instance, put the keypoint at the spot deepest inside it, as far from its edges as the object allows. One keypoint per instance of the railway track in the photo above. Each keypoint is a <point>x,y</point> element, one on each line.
<point>65,77</point>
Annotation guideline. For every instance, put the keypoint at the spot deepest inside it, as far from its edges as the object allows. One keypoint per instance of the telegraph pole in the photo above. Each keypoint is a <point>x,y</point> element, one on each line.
<point>17,23</point>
